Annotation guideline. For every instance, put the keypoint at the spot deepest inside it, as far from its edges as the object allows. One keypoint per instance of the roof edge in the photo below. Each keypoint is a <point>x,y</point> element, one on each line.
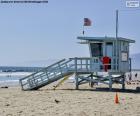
<point>104,38</point>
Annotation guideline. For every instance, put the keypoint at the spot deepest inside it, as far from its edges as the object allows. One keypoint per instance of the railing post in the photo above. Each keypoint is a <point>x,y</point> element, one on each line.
<point>130,66</point>
<point>87,64</point>
<point>60,69</point>
<point>75,64</point>
<point>66,66</point>
<point>76,75</point>
<point>91,64</point>
<point>47,75</point>
<point>35,81</point>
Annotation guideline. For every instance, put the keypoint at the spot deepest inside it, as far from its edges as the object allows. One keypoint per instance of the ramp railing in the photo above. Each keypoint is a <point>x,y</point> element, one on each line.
<point>45,75</point>
<point>59,70</point>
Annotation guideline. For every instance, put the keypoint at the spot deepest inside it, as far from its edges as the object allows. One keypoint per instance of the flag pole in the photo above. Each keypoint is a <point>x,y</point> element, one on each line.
<point>117,24</point>
<point>83,30</point>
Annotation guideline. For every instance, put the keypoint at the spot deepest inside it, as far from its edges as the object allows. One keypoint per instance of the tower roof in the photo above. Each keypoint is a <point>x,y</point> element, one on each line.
<point>102,39</point>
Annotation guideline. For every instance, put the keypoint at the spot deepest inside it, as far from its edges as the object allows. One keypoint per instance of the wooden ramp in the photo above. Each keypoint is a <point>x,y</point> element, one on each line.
<point>46,76</point>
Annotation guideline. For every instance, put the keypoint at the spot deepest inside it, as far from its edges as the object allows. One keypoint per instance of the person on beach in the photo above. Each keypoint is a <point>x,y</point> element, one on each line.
<point>136,75</point>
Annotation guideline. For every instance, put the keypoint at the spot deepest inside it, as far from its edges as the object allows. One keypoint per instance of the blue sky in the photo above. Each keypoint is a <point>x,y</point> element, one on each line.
<point>36,32</point>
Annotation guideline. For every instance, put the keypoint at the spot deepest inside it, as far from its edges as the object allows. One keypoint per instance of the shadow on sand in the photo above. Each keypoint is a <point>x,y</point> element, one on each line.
<point>102,90</point>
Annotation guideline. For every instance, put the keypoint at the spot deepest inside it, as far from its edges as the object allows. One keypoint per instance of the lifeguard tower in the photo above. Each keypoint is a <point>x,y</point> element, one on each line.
<point>108,56</point>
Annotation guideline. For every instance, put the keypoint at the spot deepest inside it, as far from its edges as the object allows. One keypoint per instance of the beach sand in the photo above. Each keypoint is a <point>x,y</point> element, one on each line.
<point>66,101</point>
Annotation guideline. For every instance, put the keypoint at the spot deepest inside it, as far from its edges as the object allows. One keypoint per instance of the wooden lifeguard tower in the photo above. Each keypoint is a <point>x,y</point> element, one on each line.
<point>107,55</point>
<point>110,55</point>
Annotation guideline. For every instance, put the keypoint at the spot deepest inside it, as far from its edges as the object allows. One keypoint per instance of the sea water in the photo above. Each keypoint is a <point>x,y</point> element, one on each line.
<point>11,78</point>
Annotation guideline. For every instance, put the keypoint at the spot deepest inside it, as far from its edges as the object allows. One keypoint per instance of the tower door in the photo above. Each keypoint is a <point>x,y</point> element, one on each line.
<point>109,49</point>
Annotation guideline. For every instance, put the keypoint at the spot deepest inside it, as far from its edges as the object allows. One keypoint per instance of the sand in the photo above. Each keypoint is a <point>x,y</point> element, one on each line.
<point>66,101</point>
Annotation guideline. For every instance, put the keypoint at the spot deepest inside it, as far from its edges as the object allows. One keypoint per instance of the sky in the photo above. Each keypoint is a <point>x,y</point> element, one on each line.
<point>39,32</point>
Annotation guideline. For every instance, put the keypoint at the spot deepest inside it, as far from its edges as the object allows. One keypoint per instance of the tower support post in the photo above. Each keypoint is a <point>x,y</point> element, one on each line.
<point>110,82</point>
<point>123,81</point>
<point>91,83</point>
<point>76,81</point>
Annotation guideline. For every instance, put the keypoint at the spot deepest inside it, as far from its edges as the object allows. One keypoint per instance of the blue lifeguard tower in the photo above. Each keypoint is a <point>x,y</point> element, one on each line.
<point>116,49</point>
<point>108,56</point>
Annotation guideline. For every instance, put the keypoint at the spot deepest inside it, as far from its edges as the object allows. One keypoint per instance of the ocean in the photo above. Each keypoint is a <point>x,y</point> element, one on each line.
<point>11,78</point>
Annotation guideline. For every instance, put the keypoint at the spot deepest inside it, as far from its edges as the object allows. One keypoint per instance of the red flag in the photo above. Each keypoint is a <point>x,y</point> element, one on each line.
<point>87,22</point>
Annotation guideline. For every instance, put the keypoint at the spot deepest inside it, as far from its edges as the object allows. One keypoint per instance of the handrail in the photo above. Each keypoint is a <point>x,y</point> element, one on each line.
<point>62,67</point>
<point>41,70</point>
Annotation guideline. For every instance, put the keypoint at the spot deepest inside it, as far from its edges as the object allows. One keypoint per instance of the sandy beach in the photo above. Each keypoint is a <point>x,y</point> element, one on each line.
<point>66,101</point>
